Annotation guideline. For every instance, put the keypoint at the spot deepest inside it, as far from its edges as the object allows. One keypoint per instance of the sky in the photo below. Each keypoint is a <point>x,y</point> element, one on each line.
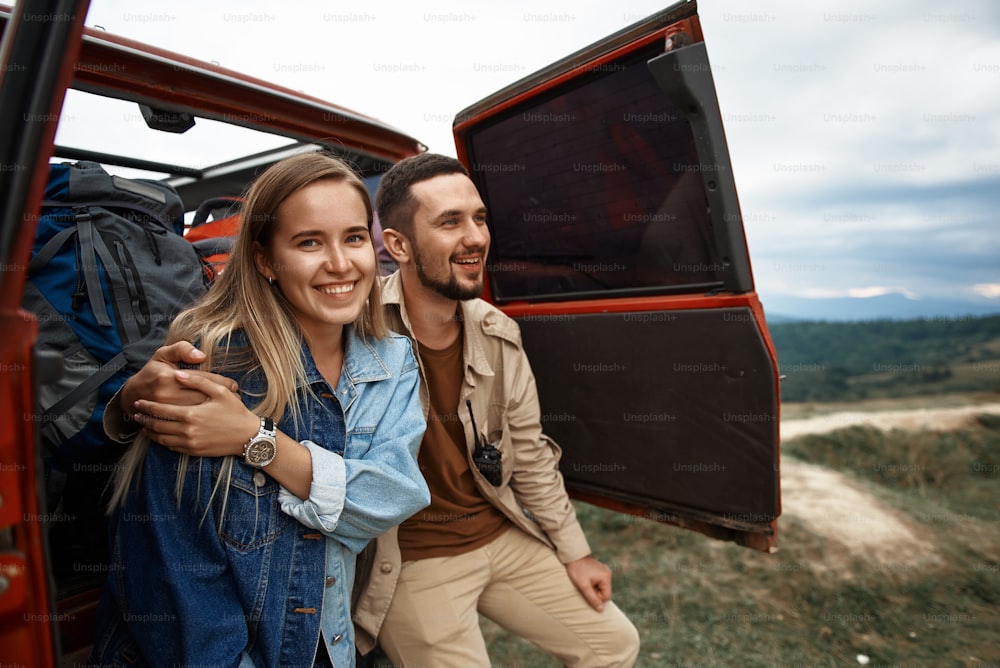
<point>864,135</point>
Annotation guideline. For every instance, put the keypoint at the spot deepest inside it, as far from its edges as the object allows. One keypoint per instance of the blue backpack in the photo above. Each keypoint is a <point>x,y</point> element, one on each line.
<point>109,271</point>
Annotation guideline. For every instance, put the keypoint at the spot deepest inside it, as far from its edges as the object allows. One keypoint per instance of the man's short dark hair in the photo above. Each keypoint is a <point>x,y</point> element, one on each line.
<point>394,200</point>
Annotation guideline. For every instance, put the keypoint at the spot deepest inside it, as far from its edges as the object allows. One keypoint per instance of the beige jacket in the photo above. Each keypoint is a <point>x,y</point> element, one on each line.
<point>499,381</point>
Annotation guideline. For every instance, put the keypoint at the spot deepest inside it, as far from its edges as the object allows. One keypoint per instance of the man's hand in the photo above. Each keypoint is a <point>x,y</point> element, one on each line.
<point>593,579</point>
<point>157,380</point>
<point>217,426</point>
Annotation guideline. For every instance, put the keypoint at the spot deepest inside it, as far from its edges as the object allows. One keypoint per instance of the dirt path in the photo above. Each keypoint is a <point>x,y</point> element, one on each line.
<point>912,420</point>
<point>831,504</point>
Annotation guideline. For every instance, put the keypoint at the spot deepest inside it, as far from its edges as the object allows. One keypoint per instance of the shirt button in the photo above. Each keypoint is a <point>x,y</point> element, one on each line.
<point>386,567</point>
<point>259,479</point>
<point>337,638</point>
<point>330,581</point>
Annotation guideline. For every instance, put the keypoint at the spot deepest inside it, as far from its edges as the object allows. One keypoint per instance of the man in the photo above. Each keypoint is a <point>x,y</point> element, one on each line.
<point>500,540</point>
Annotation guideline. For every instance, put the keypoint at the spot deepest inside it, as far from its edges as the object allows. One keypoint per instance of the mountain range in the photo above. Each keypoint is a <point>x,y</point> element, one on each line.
<point>781,308</point>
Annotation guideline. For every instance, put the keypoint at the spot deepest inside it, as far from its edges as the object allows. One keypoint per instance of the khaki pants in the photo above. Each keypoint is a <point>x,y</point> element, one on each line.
<point>517,582</point>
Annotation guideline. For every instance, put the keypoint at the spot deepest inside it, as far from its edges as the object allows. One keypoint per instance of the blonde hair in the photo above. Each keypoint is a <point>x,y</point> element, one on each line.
<point>241,299</point>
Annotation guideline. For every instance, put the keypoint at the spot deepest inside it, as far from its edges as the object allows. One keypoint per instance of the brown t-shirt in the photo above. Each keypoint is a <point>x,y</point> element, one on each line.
<point>459,518</point>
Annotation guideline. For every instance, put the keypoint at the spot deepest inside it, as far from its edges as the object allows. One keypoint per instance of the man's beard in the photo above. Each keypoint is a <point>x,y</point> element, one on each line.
<point>449,289</point>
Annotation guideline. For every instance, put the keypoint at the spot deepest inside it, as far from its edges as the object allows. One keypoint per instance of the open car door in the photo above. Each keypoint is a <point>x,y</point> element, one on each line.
<point>618,246</point>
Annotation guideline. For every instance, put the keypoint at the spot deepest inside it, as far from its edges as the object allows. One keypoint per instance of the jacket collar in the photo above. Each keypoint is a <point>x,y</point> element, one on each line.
<point>473,354</point>
<point>362,364</point>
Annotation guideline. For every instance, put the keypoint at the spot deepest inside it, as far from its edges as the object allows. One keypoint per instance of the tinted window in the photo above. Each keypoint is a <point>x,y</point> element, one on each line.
<point>609,197</point>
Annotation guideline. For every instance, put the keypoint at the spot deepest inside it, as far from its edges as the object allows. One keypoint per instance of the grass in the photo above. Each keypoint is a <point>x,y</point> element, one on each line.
<point>699,602</point>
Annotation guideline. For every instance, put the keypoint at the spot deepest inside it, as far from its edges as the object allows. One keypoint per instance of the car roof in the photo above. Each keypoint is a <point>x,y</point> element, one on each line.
<point>166,82</point>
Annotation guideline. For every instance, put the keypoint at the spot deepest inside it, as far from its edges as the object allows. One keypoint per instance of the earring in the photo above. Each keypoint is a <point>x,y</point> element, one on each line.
<point>270,281</point>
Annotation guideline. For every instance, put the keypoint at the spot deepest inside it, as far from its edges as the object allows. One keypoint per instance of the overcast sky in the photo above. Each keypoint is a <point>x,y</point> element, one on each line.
<point>865,136</point>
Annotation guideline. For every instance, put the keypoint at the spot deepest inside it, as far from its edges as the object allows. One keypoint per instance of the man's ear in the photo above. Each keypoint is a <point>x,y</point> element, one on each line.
<point>397,245</point>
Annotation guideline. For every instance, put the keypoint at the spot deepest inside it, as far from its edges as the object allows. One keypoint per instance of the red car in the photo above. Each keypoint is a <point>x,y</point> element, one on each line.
<point>618,245</point>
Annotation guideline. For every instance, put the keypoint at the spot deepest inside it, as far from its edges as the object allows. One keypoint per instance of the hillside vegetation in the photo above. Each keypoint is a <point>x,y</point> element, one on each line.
<point>852,361</point>
<point>889,556</point>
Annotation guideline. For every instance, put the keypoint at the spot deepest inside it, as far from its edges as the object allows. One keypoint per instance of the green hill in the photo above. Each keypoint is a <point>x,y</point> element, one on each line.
<point>850,361</point>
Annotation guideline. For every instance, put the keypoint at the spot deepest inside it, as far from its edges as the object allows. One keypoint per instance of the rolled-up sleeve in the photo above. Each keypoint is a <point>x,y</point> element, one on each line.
<point>327,493</point>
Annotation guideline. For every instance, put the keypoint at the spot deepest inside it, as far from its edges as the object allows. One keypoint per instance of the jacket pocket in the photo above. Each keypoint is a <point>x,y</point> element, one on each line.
<point>359,442</point>
<point>250,512</point>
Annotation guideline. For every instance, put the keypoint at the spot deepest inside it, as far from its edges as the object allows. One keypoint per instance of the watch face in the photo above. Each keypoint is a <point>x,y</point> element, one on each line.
<point>260,453</point>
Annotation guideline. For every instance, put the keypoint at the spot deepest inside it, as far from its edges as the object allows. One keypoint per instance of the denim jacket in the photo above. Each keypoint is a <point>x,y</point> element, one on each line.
<point>257,588</point>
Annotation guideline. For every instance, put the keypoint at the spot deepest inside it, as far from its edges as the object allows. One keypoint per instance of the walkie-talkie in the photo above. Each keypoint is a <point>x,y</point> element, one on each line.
<point>485,455</point>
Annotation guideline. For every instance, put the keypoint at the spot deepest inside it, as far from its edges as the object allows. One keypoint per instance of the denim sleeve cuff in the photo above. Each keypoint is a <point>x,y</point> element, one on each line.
<point>321,511</point>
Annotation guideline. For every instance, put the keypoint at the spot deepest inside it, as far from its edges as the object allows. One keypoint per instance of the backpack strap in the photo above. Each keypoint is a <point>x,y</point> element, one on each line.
<point>114,365</point>
<point>92,246</point>
<point>85,225</point>
<point>49,250</point>
<point>119,290</point>
<point>85,229</point>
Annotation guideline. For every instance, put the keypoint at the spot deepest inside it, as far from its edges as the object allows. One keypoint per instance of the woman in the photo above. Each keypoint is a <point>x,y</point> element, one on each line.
<point>235,542</point>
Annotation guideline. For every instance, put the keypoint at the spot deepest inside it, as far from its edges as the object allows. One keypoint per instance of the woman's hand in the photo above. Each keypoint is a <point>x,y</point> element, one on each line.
<point>218,426</point>
<point>221,425</point>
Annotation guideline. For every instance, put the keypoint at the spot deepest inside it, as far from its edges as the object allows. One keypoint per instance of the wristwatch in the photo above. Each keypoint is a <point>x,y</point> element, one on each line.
<point>260,450</point>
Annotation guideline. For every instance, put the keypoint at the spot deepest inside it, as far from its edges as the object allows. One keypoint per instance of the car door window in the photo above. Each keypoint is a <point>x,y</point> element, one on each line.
<point>609,198</point>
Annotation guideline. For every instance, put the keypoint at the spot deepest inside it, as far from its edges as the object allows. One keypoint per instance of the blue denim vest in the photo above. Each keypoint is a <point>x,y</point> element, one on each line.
<point>257,588</point>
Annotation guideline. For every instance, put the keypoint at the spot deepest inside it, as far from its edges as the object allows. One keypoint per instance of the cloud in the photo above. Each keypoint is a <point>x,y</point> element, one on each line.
<point>856,293</point>
<point>879,290</point>
<point>988,290</point>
